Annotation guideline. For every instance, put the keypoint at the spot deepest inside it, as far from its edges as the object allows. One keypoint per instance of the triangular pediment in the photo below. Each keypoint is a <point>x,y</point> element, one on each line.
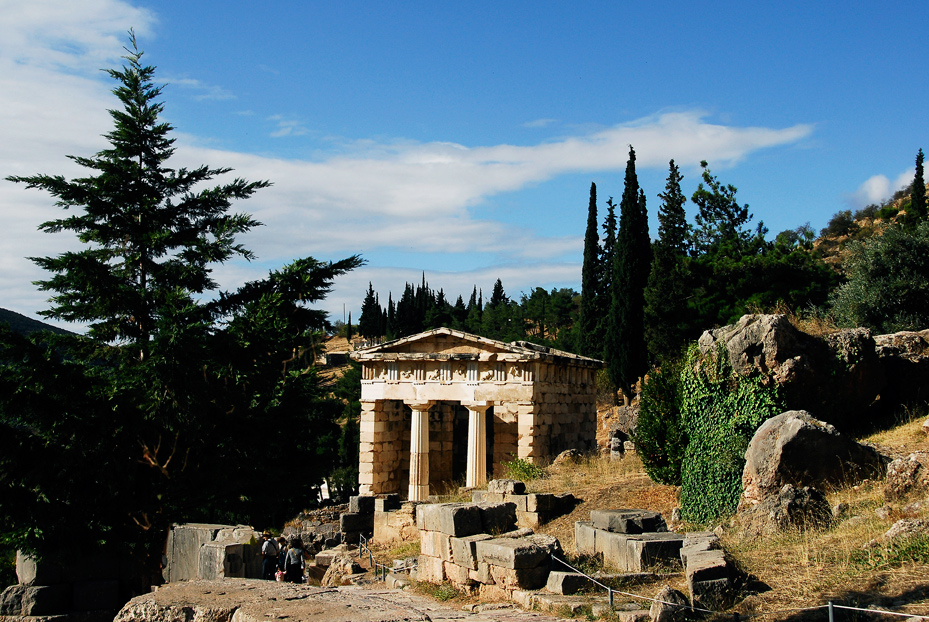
<point>442,341</point>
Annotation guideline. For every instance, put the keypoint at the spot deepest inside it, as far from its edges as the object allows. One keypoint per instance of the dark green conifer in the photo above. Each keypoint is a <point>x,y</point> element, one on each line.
<point>918,194</point>
<point>590,283</point>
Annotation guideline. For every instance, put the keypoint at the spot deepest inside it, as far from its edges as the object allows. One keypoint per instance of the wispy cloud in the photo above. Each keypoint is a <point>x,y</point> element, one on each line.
<point>878,188</point>
<point>287,127</point>
<point>540,123</point>
<point>207,92</point>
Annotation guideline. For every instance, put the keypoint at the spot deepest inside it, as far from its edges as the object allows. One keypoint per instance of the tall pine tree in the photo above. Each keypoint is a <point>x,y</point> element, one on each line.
<point>666,292</point>
<point>918,194</point>
<point>626,354</point>
<point>590,283</point>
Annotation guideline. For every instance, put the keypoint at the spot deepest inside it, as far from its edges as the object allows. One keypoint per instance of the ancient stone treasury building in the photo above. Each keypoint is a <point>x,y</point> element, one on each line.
<point>445,406</point>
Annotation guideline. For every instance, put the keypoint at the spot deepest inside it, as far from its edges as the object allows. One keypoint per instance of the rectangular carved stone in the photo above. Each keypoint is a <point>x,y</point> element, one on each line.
<point>498,517</point>
<point>436,544</point>
<point>511,553</point>
<point>430,569</point>
<point>482,574</point>
<point>350,521</point>
<point>520,578</point>
<point>453,519</point>
<point>458,575</point>
<point>628,521</point>
<point>585,538</point>
<point>361,504</point>
<point>539,502</point>
<point>638,552</point>
<point>464,550</point>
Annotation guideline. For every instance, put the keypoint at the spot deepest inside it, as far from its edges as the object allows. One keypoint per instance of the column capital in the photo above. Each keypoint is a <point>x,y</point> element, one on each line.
<point>480,406</point>
<point>419,404</point>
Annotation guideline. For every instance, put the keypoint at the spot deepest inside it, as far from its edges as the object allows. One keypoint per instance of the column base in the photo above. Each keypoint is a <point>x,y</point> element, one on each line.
<point>418,493</point>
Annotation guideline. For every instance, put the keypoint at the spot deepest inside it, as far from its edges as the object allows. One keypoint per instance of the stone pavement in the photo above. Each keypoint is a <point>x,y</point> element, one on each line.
<point>252,600</point>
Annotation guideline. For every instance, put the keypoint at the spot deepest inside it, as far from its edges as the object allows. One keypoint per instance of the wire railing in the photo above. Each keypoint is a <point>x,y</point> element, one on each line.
<point>380,570</point>
<point>736,616</point>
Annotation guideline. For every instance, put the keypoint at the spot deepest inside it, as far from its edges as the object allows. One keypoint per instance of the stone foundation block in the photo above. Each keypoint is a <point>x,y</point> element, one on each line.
<point>436,544</point>
<point>387,503</point>
<point>430,569</point>
<point>628,521</point>
<point>639,552</point>
<point>464,550</point>
<point>46,600</point>
<point>528,520</point>
<point>453,519</point>
<point>707,565</point>
<point>566,582</point>
<point>352,521</point>
<point>511,553</point>
<point>458,575</point>
<point>482,574</point>
<point>524,599</point>
<point>520,578</point>
<point>585,538</point>
<point>540,502</point>
<point>492,592</point>
<point>714,594</point>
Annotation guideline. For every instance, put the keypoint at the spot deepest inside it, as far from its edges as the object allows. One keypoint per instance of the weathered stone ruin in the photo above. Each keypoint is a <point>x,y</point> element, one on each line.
<point>628,540</point>
<point>204,551</point>
<point>532,509</point>
<point>444,405</point>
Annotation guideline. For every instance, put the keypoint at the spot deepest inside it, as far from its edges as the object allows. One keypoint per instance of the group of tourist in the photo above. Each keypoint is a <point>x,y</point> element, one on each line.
<point>282,560</point>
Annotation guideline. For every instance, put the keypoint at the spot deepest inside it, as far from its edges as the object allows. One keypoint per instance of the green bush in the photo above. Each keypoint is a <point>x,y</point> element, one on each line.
<point>721,412</point>
<point>659,436</point>
<point>523,470</point>
<point>888,281</point>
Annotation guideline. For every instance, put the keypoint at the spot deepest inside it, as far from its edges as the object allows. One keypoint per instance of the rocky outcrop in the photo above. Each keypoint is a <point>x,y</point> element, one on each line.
<point>905,358</point>
<point>838,376</point>
<point>906,476</point>
<point>794,448</point>
<point>792,508</point>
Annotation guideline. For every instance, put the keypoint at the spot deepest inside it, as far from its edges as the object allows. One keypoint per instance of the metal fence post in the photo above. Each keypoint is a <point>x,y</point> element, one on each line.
<point>609,592</point>
<point>831,612</point>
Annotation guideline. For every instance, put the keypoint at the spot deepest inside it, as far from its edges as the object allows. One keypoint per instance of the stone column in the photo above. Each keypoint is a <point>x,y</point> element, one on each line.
<point>419,451</point>
<point>477,444</point>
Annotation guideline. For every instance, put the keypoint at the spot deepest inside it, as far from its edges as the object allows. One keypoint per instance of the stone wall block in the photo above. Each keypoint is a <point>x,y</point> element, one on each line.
<point>628,521</point>
<point>458,575</point>
<point>453,519</point>
<point>520,501</point>
<point>436,544</point>
<point>361,504</point>
<point>512,553</point>
<point>351,521</point>
<point>566,582</point>
<point>46,600</point>
<point>482,574</point>
<point>430,569</point>
<point>464,550</point>
<point>497,518</point>
<point>520,578</point>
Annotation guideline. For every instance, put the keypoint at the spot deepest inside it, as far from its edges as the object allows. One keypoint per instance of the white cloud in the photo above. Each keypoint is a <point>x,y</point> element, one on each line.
<point>366,196</point>
<point>878,188</point>
<point>208,92</point>
<point>540,123</point>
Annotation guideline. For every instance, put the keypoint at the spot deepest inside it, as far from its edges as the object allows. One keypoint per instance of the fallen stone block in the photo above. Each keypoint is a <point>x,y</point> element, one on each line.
<point>628,521</point>
<point>464,550</point>
<point>46,600</point>
<point>561,605</point>
<point>585,538</point>
<point>507,486</point>
<point>397,581</point>
<point>707,565</point>
<point>529,520</point>
<point>540,502</point>
<point>453,519</point>
<point>521,532</point>
<point>324,558</point>
<point>513,553</point>
<point>524,598</point>
<point>566,582</point>
<point>669,606</point>
<point>354,522</point>
<point>519,501</point>
<point>715,594</point>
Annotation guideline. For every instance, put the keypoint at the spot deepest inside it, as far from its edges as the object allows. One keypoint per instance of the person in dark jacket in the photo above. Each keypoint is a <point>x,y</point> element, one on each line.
<point>294,562</point>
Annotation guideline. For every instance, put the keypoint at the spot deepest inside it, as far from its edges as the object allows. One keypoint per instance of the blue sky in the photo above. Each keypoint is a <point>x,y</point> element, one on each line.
<point>461,139</point>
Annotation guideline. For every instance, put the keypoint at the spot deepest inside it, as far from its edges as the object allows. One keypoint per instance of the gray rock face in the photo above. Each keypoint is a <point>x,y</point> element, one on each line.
<point>838,376</point>
<point>794,448</point>
<point>906,476</point>
<point>905,358</point>
<point>792,508</point>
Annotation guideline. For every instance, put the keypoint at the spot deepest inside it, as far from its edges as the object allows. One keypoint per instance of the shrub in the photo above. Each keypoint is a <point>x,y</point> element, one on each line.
<point>888,281</point>
<point>660,439</point>
<point>523,470</point>
<point>721,411</point>
<point>841,223</point>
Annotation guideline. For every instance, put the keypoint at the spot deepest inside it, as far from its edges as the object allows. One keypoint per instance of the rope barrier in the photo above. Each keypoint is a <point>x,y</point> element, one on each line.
<point>380,570</point>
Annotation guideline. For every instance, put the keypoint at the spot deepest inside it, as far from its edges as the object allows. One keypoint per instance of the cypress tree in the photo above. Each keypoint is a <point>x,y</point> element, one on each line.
<point>369,324</point>
<point>590,282</point>
<point>918,195</point>
<point>626,355</point>
<point>665,294</point>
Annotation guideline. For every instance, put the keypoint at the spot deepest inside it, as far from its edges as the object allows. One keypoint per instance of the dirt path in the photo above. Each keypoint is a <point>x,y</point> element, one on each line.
<point>251,600</point>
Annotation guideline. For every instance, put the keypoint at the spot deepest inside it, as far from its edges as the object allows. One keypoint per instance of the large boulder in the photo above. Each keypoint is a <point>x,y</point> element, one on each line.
<point>794,448</point>
<point>792,508</point>
<point>839,376</point>
<point>906,476</point>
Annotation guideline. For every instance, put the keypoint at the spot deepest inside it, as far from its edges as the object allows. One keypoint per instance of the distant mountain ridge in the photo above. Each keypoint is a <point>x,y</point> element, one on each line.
<point>26,325</point>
